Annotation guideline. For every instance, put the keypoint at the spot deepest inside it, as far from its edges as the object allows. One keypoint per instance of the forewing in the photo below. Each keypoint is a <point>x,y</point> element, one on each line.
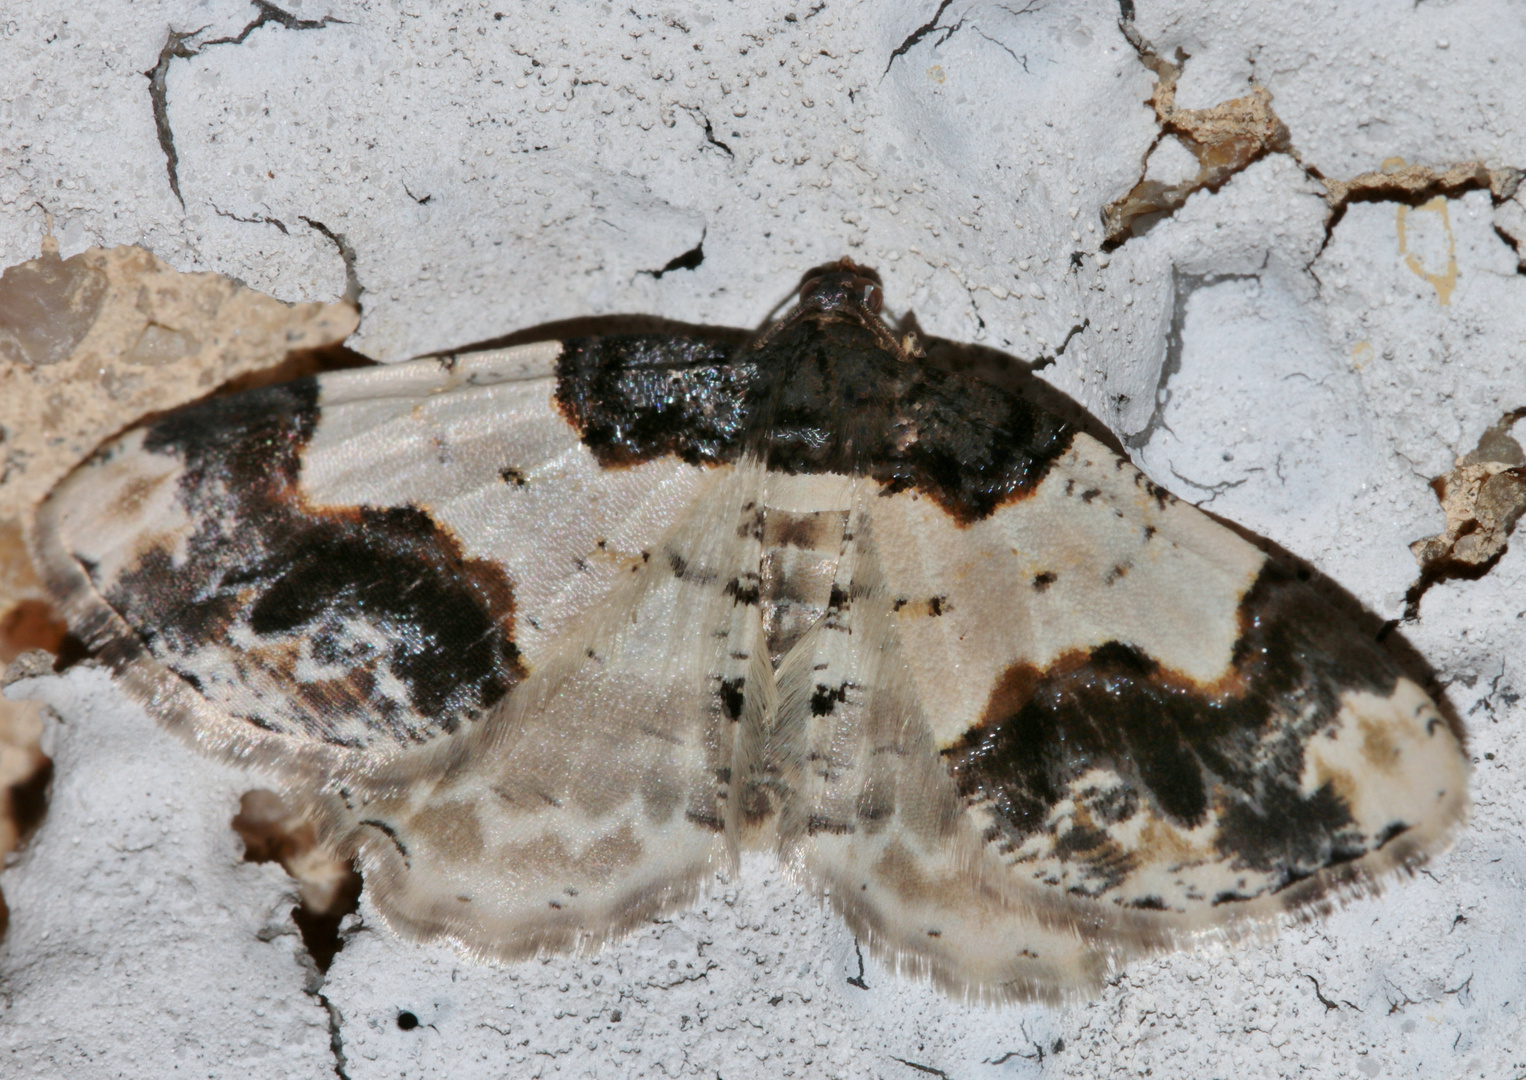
<point>355,565</point>
<point>1092,723</point>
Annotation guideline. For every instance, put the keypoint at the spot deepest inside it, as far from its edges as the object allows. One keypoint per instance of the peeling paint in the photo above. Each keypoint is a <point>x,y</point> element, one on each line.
<point>1483,497</point>
<point>1399,181</point>
<point>1224,139</point>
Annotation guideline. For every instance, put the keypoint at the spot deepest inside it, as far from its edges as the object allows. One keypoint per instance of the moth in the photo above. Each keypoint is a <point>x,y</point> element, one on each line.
<point>546,636</point>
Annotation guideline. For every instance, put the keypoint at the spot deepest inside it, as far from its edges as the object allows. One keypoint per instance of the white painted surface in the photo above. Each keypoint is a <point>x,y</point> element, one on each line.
<point>1326,369</point>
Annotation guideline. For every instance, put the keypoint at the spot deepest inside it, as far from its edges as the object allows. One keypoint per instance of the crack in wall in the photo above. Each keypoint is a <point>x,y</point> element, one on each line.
<point>352,286</point>
<point>1215,490</point>
<point>1023,59</point>
<point>1504,696</point>
<point>336,1032</point>
<point>1318,994</point>
<point>710,137</point>
<point>328,888</point>
<point>269,13</point>
<point>1412,185</point>
<point>858,980</point>
<point>713,141</point>
<point>158,95</point>
<point>1043,361</point>
<point>1510,213</point>
<point>918,34</point>
<point>1518,246</point>
<point>1416,184</point>
<point>1037,1056</point>
<point>317,978</point>
<point>922,1068</point>
<point>689,260</point>
<point>176,46</point>
<point>263,220</point>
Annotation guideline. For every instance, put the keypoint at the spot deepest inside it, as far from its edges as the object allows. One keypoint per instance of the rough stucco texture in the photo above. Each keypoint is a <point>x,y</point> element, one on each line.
<point>1299,368</point>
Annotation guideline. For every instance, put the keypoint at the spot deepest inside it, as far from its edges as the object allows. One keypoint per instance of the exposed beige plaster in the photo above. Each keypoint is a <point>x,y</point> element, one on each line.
<point>1483,497</point>
<point>88,344</point>
<point>102,338</point>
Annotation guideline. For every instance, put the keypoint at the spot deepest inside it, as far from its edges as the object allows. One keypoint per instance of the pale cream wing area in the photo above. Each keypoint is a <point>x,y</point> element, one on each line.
<point>1096,554</point>
<point>481,447</point>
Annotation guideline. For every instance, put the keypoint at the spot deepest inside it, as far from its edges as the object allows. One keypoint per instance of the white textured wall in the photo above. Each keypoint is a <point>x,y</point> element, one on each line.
<point>491,166</point>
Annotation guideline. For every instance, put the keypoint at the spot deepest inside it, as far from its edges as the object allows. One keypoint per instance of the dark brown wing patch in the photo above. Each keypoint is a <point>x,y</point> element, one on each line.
<point>1184,750</point>
<point>369,623</point>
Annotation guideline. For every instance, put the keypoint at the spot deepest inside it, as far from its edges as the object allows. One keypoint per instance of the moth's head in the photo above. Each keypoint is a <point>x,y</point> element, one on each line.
<point>842,292</point>
<point>842,289</point>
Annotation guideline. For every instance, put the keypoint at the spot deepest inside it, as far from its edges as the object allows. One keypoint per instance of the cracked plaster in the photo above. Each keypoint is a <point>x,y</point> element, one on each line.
<point>469,170</point>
